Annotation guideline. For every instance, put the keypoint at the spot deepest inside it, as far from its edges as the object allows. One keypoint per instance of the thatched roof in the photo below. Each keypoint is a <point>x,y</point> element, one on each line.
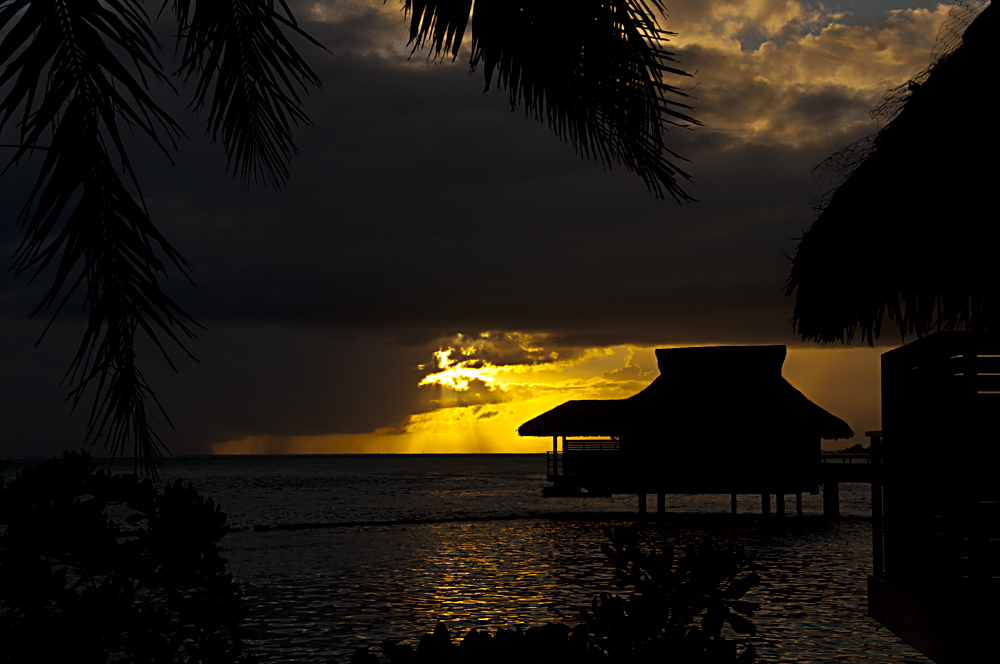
<point>585,417</point>
<point>911,231</point>
<point>728,390</point>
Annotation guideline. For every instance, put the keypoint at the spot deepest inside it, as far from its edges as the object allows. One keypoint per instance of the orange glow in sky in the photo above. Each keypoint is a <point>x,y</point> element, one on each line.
<point>844,381</point>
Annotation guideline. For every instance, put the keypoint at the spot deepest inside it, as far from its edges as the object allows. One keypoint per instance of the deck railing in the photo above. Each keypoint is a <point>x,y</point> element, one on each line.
<point>846,458</point>
<point>588,458</point>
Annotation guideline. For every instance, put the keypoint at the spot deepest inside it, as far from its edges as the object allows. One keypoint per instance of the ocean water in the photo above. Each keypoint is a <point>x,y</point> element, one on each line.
<point>335,552</point>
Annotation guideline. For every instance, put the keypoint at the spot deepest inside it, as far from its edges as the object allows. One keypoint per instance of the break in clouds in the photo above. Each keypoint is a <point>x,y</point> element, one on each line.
<point>497,367</point>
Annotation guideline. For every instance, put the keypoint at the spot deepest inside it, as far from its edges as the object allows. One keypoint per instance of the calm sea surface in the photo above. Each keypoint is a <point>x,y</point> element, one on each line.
<point>410,540</point>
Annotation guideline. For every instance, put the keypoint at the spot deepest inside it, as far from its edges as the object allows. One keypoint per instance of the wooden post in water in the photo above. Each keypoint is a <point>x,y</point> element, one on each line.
<point>876,477</point>
<point>661,504</point>
<point>765,504</point>
<point>779,504</point>
<point>555,455</point>
<point>798,504</point>
<point>732,503</point>
<point>831,499</point>
<point>642,506</point>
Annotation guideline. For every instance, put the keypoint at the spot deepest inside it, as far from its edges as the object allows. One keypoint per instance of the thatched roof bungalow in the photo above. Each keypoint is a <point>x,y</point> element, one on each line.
<point>911,231</point>
<point>717,419</point>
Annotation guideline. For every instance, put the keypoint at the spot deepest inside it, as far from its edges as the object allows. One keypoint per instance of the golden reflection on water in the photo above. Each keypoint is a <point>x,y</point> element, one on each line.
<point>408,579</point>
<point>364,585</point>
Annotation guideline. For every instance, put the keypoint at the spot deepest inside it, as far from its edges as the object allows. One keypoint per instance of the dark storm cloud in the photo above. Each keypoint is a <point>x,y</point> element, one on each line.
<point>373,243</point>
<point>282,380</point>
<point>420,205</point>
<point>420,208</point>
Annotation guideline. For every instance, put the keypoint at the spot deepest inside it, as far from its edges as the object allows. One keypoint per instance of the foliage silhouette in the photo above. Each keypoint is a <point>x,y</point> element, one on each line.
<point>655,622</point>
<point>675,613</point>
<point>97,567</point>
<point>77,71</point>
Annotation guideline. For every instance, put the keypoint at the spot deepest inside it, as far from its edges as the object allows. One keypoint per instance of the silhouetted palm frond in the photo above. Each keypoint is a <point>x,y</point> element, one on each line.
<point>592,70</point>
<point>240,46</point>
<point>80,216</point>
<point>75,72</point>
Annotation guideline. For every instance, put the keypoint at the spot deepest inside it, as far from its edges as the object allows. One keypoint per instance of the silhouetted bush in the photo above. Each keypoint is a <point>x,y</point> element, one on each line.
<point>676,612</point>
<point>658,620</point>
<point>75,587</point>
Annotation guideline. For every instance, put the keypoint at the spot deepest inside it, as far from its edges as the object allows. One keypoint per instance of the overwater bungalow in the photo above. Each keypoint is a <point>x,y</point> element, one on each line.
<point>718,419</point>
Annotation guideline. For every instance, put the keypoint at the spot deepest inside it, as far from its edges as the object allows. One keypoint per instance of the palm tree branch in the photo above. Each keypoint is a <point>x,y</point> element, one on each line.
<point>79,217</point>
<point>593,73</point>
<point>249,75</point>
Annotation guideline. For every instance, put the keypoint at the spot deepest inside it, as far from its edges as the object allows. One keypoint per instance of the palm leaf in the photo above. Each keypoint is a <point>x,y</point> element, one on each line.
<point>247,73</point>
<point>66,84</point>
<point>593,71</point>
<point>75,72</point>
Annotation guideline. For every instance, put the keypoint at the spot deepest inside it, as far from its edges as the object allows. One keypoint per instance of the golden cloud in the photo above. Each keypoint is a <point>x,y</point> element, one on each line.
<point>771,71</point>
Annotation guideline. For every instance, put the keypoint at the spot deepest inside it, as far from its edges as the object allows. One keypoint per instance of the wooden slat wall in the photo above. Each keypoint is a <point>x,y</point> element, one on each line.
<point>941,420</point>
<point>599,445</point>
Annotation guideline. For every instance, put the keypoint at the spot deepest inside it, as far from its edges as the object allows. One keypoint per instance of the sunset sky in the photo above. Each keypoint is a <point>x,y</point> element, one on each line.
<point>439,269</point>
